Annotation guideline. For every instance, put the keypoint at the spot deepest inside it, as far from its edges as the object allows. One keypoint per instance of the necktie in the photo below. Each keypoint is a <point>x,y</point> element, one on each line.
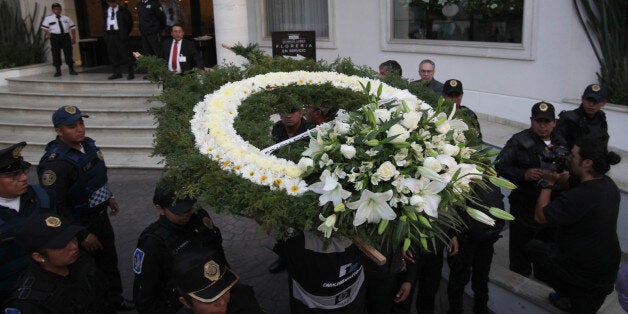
<point>60,24</point>
<point>175,53</point>
<point>113,14</point>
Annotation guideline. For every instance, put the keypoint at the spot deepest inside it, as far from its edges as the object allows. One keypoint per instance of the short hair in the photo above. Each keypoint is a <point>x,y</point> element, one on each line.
<point>597,151</point>
<point>391,66</point>
<point>177,25</point>
<point>428,61</point>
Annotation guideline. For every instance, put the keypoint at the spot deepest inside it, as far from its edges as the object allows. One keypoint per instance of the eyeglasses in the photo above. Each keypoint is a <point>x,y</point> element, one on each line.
<point>14,175</point>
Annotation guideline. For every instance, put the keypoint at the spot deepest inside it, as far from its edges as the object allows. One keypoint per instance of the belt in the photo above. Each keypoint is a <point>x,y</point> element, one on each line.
<point>113,32</point>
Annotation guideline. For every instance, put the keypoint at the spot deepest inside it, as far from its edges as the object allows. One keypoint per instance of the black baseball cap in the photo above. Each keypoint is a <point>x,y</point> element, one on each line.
<point>543,110</point>
<point>452,86</point>
<point>11,159</point>
<point>596,92</point>
<point>67,115</point>
<point>203,274</point>
<point>46,231</point>
<point>168,200</point>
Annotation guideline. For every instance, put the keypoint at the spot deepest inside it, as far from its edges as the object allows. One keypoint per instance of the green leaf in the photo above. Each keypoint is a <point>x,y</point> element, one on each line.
<point>501,214</point>
<point>502,183</point>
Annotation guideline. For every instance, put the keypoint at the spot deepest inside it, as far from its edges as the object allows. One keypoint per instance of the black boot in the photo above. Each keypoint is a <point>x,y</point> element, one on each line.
<point>116,74</point>
<point>131,73</point>
<point>58,72</point>
<point>72,72</point>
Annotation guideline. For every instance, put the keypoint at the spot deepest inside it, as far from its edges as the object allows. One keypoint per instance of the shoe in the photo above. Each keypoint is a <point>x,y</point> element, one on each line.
<point>130,76</point>
<point>125,305</point>
<point>115,76</point>
<point>57,74</point>
<point>72,72</point>
<point>562,303</point>
<point>277,266</point>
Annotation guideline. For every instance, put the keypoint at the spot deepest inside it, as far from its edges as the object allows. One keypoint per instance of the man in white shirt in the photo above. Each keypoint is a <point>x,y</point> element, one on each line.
<point>58,28</point>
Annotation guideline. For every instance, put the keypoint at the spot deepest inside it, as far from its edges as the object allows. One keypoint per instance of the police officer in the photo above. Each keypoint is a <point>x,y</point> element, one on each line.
<point>588,121</point>
<point>60,278</point>
<point>206,285</point>
<point>152,22</point>
<point>520,162</point>
<point>18,202</point>
<point>177,229</point>
<point>58,28</point>
<point>74,168</point>
<point>452,90</point>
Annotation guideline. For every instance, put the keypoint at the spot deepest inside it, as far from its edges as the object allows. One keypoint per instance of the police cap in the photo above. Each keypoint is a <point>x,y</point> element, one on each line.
<point>46,231</point>
<point>596,92</point>
<point>203,274</point>
<point>452,86</point>
<point>168,200</point>
<point>543,110</point>
<point>67,115</point>
<point>11,159</point>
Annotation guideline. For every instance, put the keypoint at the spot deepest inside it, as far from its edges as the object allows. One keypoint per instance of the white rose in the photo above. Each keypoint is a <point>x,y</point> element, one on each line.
<point>450,150</point>
<point>381,114</point>
<point>432,163</point>
<point>304,163</point>
<point>411,120</point>
<point>341,127</point>
<point>347,150</point>
<point>387,171</point>
<point>397,129</point>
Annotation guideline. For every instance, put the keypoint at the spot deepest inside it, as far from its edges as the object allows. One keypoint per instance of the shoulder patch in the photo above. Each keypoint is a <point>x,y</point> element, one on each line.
<point>138,259</point>
<point>10,310</point>
<point>48,178</point>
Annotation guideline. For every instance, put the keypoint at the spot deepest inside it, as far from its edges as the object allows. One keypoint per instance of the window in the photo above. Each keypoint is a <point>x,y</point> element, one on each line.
<point>297,15</point>
<point>487,28</point>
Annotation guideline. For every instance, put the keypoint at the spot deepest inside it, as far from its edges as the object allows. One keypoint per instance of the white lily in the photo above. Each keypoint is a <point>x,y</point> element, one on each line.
<point>372,207</point>
<point>425,196</point>
<point>328,224</point>
<point>329,189</point>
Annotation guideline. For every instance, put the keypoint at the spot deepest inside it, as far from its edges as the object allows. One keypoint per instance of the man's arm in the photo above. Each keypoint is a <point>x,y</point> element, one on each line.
<point>148,279</point>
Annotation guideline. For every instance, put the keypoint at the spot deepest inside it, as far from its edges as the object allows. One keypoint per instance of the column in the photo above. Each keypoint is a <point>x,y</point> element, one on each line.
<point>231,27</point>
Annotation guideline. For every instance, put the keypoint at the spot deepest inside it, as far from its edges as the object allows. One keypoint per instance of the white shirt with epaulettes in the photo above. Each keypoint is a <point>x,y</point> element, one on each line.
<point>51,23</point>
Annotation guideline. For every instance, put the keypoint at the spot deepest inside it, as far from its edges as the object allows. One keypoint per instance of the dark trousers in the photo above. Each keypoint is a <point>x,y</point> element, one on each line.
<point>151,45</point>
<point>586,295</point>
<point>428,276</point>
<point>118,51</point>
<point>107,258</point>
<point>522,230</point>
<point>473,261</point>
<point>60,42</point>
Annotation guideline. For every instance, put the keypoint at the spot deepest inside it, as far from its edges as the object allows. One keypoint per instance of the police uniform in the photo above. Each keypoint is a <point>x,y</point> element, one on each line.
<point>203,275</point>
<point>522,152</point>
<point>60,27</point>
<point>159,243</point>
<point>79,180</point>
<point>82,290</point>
<point>14,212</point>
<point>575,125</point>
<point>152,21</point>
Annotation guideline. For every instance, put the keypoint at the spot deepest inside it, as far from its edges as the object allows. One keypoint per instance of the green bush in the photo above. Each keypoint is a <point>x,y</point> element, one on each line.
<point>21,40</point>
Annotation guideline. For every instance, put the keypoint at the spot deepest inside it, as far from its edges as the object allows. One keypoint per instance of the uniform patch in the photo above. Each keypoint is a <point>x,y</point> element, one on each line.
<point>211,271</point>
<point>138,259</point>
<point>10,310</point>
<point>100,155</point>
<point>48,178</point>
<point>70,109</point>
<point>53,222</point>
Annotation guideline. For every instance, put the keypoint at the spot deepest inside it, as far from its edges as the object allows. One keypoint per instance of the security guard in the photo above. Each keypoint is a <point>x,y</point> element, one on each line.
<point>177,229</point>
<point>152,21</point>
<point>452,90</point>
<point>520,162</point>
<point>18,202</point>
<point>588,121</point>
<point>58,28</point>
<point>118,23</point>
<point>60,278</point>
<point>74,168</point>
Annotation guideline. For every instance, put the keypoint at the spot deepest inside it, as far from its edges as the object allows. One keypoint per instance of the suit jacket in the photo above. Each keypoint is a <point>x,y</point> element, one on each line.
<point>188,49</point>
<point>125,21</point>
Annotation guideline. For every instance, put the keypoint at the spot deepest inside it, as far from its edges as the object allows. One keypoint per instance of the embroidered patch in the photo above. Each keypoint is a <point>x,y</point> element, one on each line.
<point>70,109</point>
<point>211,271</point>
<point>595,88</point>
<point>138,259</point>
<point>53,222</point>
<point>48,178</point>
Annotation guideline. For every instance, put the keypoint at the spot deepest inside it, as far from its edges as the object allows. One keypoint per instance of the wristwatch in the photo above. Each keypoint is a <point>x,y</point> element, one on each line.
<point>544,185</point>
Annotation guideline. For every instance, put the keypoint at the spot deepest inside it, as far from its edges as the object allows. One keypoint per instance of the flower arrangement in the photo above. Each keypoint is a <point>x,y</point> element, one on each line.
<point>398,171</point>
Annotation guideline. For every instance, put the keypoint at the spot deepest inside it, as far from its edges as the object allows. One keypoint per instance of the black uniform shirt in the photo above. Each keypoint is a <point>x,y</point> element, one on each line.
<point>575,125</point>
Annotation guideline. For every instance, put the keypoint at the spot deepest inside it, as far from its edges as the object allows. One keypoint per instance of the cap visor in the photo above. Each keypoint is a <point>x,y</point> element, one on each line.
<point>62,239</point>
<point>181,207</point>
<point>216,289</point>
<point>71,120</point>
<point>597,97</point>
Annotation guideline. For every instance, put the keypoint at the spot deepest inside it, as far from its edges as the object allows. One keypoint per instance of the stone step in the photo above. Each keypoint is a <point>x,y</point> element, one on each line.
<point>107,135</point>
<point>93,83</point>
<point>43,116</point>
<point>115,156</point>
<point>80,99</point>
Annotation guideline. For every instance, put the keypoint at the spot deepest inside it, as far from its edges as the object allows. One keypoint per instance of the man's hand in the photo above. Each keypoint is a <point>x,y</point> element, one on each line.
<point>453,246</point>
<point>403,293</point>
<point>407,256</point>
<point>91,243</point>
<point>533,174</point>
<point>113,204</point>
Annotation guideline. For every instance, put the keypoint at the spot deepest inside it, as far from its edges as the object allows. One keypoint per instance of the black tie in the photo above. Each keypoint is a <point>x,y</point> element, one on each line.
<point>113,14</point>
<point>60,24</point>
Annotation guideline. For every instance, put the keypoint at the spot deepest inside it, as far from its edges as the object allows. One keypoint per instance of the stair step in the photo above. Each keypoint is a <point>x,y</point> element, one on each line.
<point>94,83</point>
<point>43,116</point>
<point>128,136</point>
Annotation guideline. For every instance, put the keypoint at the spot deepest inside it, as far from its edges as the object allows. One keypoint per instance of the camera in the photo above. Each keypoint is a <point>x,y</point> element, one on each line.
<point>554,158</point>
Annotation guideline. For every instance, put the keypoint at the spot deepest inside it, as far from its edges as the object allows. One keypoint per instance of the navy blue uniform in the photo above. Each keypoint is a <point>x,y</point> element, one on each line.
<point>13,259</point>
<point>574,125</point>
